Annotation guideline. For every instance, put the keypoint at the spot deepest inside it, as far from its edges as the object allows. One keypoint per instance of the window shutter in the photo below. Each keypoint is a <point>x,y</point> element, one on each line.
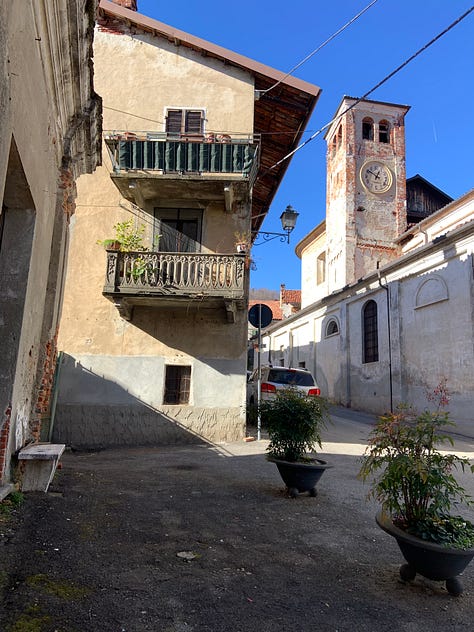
<point>193,122</point>
<point>173,121</point>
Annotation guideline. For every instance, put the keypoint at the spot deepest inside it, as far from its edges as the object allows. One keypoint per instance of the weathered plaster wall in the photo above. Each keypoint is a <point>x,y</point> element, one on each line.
<point>431,333</point>
<point>46,104</point>
<point>311,290</point>
<point>124,362</point>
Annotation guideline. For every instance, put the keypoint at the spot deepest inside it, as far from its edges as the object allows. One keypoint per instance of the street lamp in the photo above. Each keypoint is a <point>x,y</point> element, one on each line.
<point>288,221</point>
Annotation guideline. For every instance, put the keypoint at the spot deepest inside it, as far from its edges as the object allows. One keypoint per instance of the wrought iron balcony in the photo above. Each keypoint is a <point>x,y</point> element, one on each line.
<point>170,278</point>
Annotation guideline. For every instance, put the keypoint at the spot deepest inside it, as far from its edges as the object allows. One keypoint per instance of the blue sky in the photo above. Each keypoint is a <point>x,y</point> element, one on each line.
<point>438,85</point>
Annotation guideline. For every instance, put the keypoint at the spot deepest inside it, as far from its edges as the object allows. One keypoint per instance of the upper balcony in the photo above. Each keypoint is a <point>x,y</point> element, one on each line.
<point>147,165</point>
<point>176,279</point>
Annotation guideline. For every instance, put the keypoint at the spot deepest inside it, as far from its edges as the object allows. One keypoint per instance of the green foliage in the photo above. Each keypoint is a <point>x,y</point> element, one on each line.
<point>294,422</point>
<point>129,236</point>
<point>411,478</point>
<point>12,501</point>
<point>451,531</point>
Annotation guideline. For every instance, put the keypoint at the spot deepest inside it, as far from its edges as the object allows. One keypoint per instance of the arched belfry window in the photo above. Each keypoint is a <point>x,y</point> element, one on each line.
<point>384,132</point>
<point>370,341</point>
<point>367,128</point>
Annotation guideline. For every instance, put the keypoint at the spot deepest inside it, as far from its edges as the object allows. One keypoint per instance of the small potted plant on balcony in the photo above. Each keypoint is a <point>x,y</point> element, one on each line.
<point>294,422</point>
<point>128,238</point>
<point>242,242</point>
<point>417,489</point>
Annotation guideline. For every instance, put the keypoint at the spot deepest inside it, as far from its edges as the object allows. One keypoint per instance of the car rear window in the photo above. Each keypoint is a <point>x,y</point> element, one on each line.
<point>297,378</point>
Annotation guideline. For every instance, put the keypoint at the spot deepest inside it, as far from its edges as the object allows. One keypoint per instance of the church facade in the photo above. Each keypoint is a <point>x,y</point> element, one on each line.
<point>387,278</point>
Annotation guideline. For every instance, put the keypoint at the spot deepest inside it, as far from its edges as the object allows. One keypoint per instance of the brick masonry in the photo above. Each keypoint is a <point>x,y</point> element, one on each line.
<point>42,407</point>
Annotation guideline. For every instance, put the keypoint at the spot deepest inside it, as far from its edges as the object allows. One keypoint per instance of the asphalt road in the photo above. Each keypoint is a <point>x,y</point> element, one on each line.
<point>204,538</point>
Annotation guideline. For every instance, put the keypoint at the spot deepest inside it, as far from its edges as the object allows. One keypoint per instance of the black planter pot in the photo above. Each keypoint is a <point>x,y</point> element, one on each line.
<point>300,477</point>
<point>429,559</point>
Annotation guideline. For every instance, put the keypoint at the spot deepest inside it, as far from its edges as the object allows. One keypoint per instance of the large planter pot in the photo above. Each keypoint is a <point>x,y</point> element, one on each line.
<point>300,477</point>
<point>429,559</point>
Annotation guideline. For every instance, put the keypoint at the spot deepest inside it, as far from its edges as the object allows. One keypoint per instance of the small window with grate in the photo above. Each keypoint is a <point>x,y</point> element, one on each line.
<point>182,122</point>
<point>177,384</point>
<point>370,332</point>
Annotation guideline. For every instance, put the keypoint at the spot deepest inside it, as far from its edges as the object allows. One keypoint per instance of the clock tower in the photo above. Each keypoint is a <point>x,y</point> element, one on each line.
<point>366,194</point>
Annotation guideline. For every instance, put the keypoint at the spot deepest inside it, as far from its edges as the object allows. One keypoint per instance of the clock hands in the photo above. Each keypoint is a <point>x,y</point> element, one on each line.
<point>376,175</point>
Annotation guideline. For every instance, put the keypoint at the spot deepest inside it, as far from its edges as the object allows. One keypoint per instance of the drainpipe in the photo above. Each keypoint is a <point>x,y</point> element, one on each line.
<point>385,287</point>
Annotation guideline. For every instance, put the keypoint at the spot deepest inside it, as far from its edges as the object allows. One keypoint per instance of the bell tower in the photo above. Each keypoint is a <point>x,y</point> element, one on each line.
<point>366,194</point>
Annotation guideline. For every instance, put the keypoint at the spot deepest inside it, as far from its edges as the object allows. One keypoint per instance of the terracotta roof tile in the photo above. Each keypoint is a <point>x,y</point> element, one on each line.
<point>274,305</point>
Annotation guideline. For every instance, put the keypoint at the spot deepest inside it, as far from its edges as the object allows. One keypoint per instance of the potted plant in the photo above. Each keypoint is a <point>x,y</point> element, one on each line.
<point>110,244</point>
<point>128,238</point>
<point>242,242</point>
<point>416,486</point>
<point>294,422</point>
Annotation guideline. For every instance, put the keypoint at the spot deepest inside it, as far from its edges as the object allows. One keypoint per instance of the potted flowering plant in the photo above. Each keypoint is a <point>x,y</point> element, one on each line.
<point>417,489</point>
<point>294,422</point>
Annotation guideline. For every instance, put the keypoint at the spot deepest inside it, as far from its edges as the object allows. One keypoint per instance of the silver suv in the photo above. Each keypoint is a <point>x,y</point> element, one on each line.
<point>275,378</point>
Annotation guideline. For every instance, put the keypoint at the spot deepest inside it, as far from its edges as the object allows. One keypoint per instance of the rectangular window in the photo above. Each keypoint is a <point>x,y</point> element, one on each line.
<point>183,122</point>
<point>178,230</point>
<point>177,384</point>
<point>370,333</point>
<point>321,268</point>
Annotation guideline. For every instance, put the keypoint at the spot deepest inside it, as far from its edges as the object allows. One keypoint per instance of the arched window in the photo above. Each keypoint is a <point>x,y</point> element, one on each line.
<point>332,327</point>
<point>367,128</point>
<point>370,340</point>
<point>384,132</point>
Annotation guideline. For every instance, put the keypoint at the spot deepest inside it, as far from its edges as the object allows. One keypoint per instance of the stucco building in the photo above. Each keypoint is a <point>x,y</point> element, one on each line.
<point>387,283</point>
<point>50,129</point>
<point>154,342</point>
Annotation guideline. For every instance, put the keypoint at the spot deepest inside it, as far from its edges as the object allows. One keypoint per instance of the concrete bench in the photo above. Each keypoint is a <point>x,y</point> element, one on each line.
<point>40,461</point>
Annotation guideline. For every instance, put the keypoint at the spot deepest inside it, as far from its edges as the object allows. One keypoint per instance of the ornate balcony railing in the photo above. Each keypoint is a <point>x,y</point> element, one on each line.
<point>154,151</point>
<point>175,274</point>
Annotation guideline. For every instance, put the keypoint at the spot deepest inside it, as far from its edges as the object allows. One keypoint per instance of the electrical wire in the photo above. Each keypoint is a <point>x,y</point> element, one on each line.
<point>364,96</point>
<point>316,50</point>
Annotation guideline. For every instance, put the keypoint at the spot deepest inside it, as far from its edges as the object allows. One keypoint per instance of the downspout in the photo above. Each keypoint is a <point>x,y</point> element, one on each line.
<point>385,287</point>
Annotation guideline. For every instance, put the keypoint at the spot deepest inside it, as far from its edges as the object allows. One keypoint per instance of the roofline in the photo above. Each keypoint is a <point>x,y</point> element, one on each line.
<point>359,100</point>
<point>307,239</point>
<point>353,289</point>
<point>159,28</point>
<point>451,206</point>
<point>418,177</point>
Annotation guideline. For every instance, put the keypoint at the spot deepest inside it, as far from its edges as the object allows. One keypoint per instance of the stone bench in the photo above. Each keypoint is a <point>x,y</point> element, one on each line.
<point>39,463</point>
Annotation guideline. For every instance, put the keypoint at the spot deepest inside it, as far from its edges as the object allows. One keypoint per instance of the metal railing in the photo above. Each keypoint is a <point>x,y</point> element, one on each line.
<point>175,273</point>
<point>187,154</point>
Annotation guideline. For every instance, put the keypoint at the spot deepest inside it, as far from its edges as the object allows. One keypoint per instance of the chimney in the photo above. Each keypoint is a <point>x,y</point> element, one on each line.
<point>127,4</point>
<point>282,289</point>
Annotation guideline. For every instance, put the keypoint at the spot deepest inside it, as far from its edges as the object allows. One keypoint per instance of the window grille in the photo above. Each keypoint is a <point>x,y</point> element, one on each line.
<point>177,384</point>
<point>370,333</point>
<point>332,328</point>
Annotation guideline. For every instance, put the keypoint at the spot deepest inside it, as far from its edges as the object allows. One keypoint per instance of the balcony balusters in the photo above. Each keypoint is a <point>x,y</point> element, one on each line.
<point>165,273</point>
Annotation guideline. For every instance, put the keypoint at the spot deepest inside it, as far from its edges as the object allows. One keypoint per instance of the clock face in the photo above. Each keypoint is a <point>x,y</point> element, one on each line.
<point>376,177</point>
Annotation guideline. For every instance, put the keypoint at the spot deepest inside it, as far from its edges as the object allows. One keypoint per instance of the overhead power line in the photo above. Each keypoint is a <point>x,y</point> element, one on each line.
<point>303,61</point>
<point>380,83</point>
